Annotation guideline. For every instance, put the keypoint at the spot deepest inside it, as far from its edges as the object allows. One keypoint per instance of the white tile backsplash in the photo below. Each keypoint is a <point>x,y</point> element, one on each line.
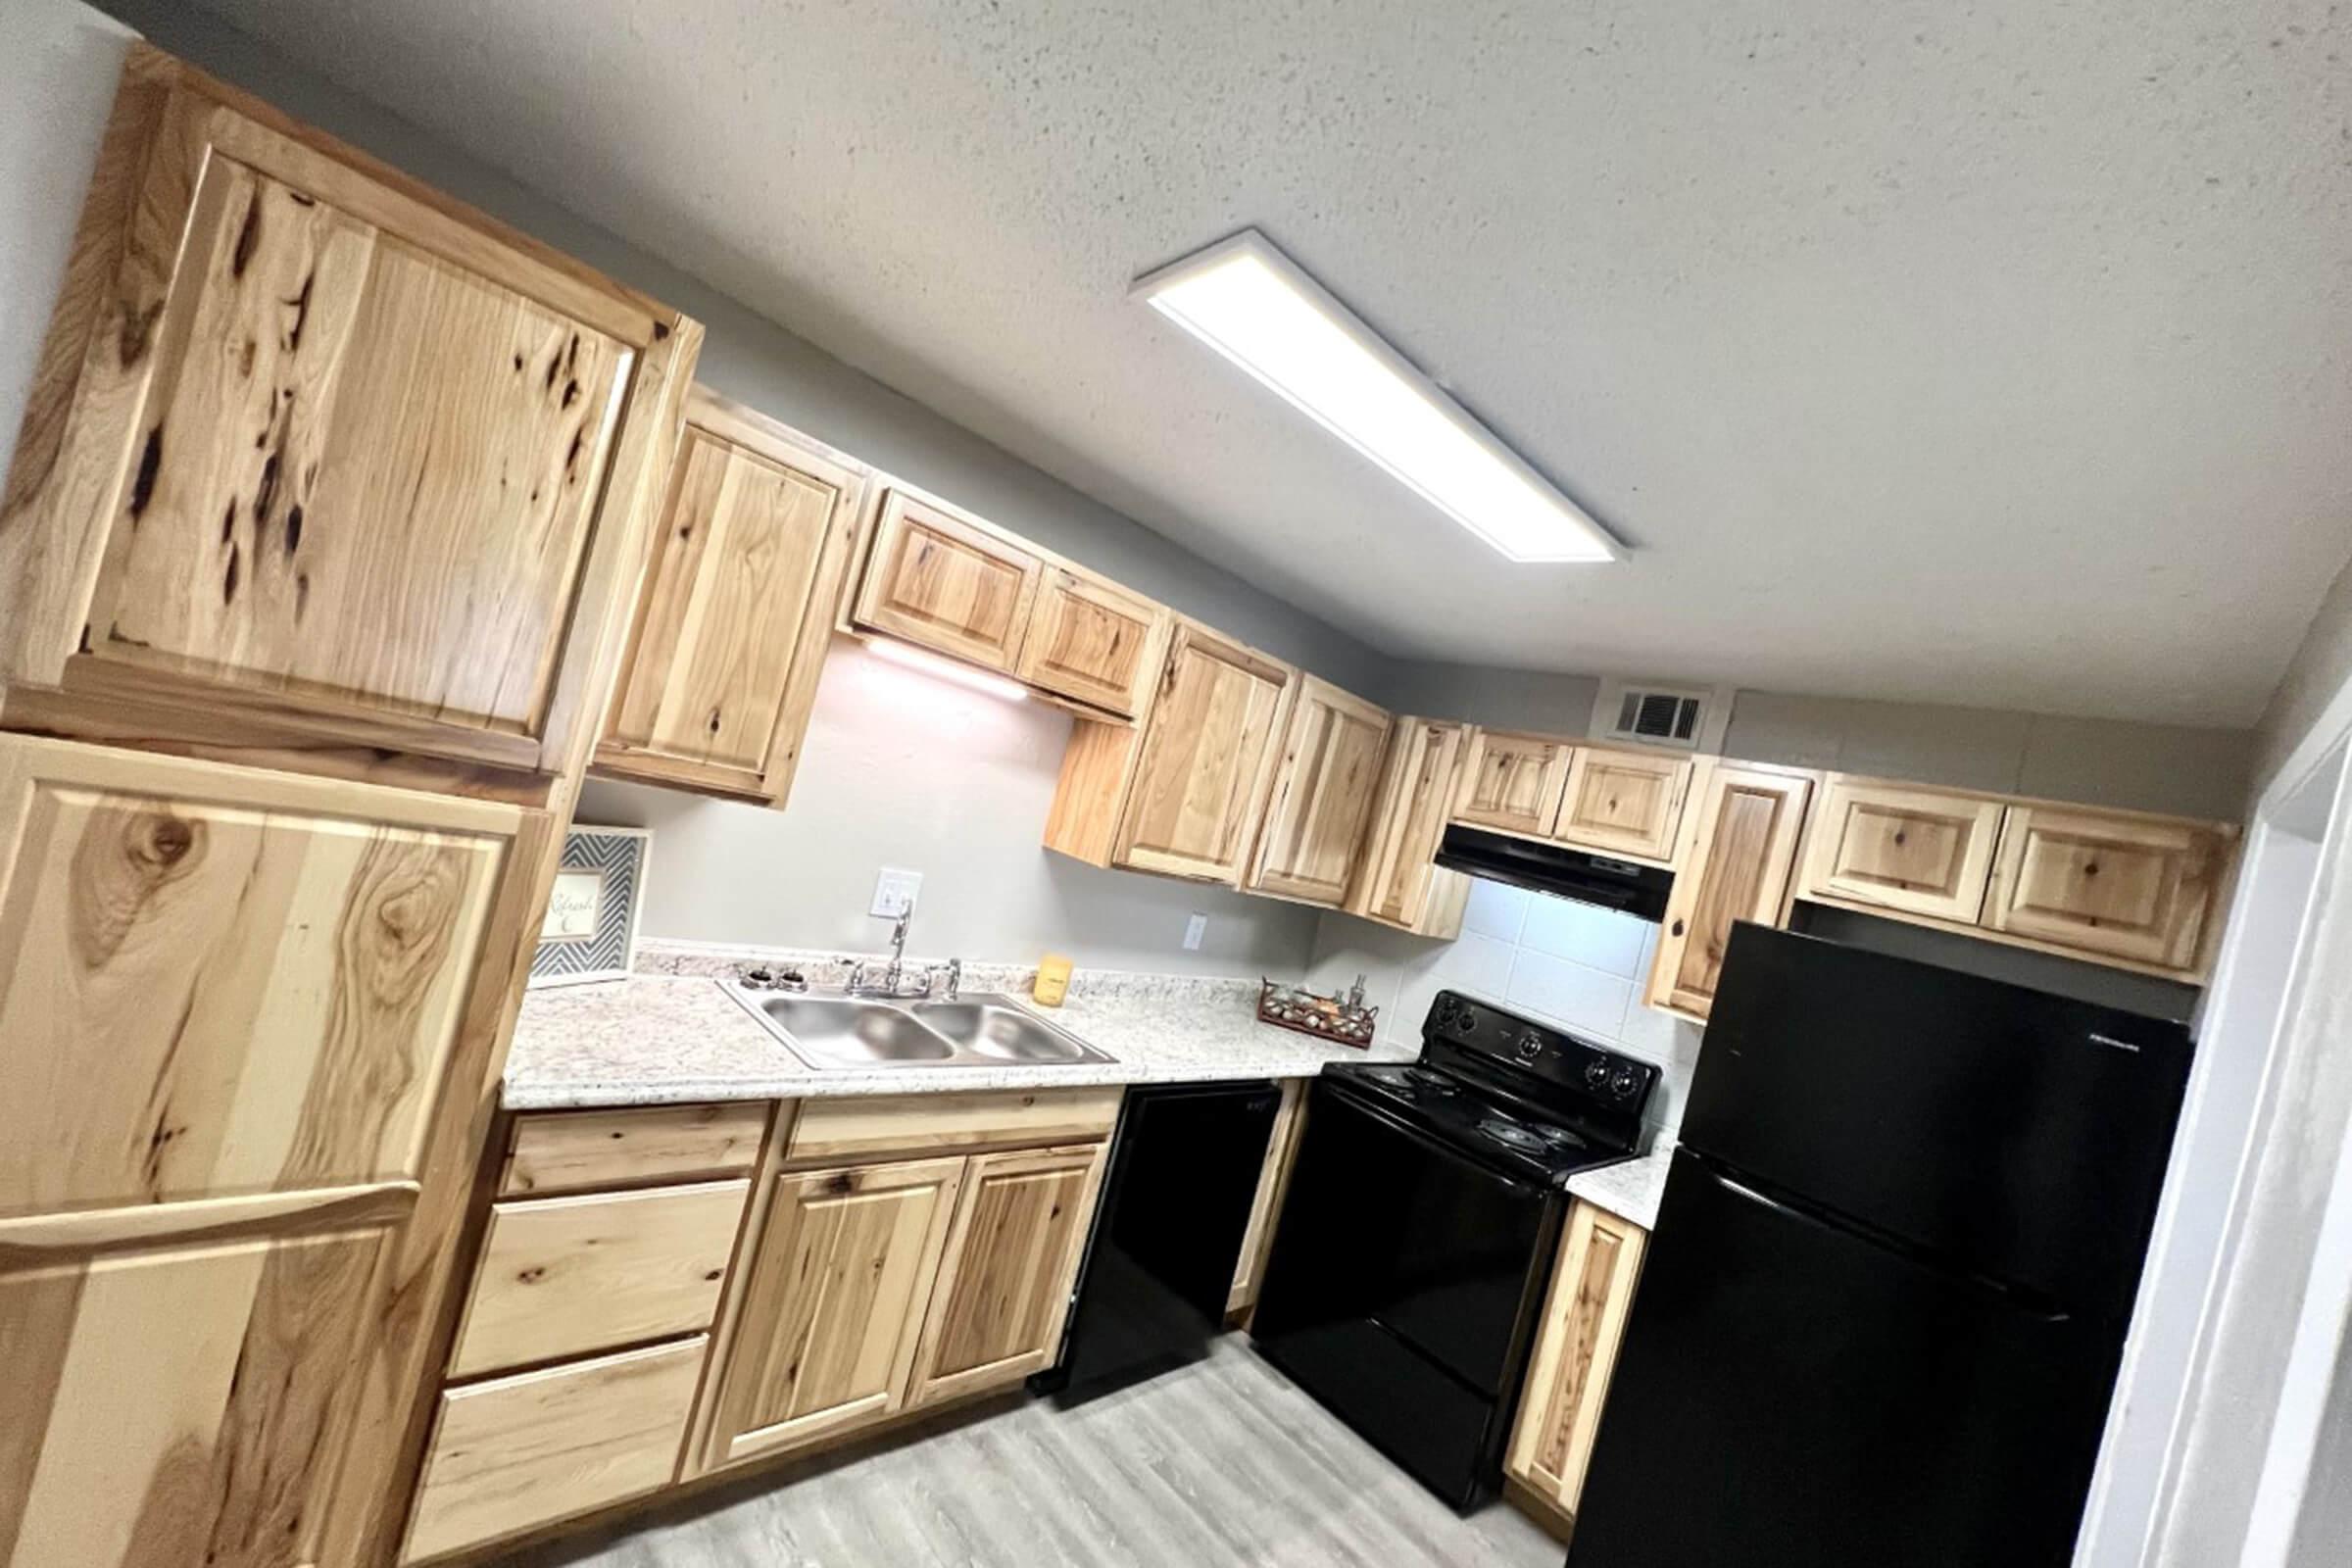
<point>1574,965</point>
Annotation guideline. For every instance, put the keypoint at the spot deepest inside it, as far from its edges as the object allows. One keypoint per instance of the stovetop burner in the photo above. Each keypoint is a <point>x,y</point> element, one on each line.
<point>1532,1140</point>
<point>1420,1080</point>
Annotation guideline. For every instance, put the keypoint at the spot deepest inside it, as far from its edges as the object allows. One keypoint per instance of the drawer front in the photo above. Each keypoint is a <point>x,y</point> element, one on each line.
<point>564,1276</point>
<point>523,1452</point>
<point>572,1151</point>
<point>897,1124</point>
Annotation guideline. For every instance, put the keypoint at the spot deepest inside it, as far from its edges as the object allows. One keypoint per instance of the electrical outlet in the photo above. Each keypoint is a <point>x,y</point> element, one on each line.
<point>1196,930</point>
<point>894,893</point>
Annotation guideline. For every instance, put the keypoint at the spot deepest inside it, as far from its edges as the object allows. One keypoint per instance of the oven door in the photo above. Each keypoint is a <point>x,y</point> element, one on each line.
<point>1403,1287</point>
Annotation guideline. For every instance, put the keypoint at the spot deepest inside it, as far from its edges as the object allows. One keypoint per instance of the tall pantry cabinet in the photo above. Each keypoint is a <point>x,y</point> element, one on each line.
<point>317,549</point>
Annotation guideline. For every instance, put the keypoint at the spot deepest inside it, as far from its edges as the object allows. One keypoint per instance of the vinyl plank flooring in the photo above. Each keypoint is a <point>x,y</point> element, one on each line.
<point>1220,1463</point>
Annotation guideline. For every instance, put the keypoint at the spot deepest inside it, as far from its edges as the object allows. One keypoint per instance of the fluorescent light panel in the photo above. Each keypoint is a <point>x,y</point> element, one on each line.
<point>1255,306</point>
<point>946,670</point>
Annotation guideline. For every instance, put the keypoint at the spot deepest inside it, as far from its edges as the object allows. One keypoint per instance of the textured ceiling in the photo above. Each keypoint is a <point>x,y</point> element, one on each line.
<point>1994,353</point>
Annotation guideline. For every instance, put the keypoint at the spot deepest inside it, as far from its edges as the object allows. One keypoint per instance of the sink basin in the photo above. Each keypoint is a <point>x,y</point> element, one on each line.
<point>989,1026</point>
<point>834,1030</point>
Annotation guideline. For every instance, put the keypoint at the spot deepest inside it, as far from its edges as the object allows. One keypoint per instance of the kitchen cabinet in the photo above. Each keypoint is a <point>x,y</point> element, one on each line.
<point>1183,792</point>
<point>1901,847</point>
<point>245,1020</point>
<point>568,1150</point>
<point>1740,866</point>
<point>1397,882</point>
<point>840,1277</point>
<point>2108,885</point>
<point>1004,1289</point>
<point>1623,802</point>
<point>751,547</point>
<point>1514,783</point>
<point>1265,1209</point>
<point>315,458</point>
<point>1094,643</point>
<point>1576,1354</point>
<point>948,582</point>
<point>1325,785</point>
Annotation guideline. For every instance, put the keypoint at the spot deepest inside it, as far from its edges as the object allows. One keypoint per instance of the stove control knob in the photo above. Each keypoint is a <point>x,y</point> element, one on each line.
<point>1597,1075</point>
<point>1624,1082</point>
<point>1529,1044</point>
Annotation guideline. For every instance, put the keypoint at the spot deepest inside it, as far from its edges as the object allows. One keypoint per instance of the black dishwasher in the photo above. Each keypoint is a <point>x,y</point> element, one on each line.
<point>1167,1235</point>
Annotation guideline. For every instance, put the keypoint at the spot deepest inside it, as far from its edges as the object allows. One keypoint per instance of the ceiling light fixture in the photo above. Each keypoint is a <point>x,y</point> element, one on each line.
<point>1249,302</point>
<point>979,680</point>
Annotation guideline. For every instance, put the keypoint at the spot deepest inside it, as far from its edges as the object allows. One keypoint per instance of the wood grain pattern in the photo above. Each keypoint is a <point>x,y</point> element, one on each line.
<point>1627,804</point>
<point>1206,754</point>
<point>734,622</point>
<point>843,1268</point>
<point>1325,786</point>
<point>565,1276</point>
<point>2111,886</point>
<point>518,1452</point>
<point>1901,847</point>
<point>1265,1209</point>
<point>1576,1354</point>
<point>1741,862</point>
<point>830,1131</point>
<point>949,582</point>
<point>180,1405</point>
<point>1398,882</point>
<point>201,999</point>
<point>1513,782</point>
<point>1094,641</point>
<point>574,1150</point>
<point>1003,1288</point>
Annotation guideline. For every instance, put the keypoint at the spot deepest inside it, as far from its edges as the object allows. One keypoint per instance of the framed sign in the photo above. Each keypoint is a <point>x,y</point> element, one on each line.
<point>590,931</point>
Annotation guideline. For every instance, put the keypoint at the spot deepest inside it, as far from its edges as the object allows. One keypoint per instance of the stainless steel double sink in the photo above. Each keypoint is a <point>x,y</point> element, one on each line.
<point>975,1030</point>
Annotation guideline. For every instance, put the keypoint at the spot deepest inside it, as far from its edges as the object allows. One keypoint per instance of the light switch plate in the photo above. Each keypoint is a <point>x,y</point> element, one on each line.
<point>894,893</point>
<point>1196,930</point>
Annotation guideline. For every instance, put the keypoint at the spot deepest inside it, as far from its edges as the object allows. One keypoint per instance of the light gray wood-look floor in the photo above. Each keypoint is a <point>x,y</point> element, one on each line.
<point>1224,1462</point>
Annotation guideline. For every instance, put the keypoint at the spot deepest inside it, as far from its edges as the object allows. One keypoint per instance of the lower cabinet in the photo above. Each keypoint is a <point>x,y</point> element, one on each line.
<point>1576,1355</point>
<point>841,1272</point>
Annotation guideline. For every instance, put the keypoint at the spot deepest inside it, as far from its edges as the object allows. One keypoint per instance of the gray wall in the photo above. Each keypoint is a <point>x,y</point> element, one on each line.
<point>2320,669</point>
<point>1506,698</point>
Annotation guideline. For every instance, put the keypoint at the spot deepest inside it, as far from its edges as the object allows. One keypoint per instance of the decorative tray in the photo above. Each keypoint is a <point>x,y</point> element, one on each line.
<point>1332,1019</point>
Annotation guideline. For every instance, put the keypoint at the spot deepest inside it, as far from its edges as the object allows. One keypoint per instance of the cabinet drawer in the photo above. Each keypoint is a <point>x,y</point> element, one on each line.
<point>523,1451</point>
<point>570,1151</point>
<point>563,1276</point>
<point>853,1129</point>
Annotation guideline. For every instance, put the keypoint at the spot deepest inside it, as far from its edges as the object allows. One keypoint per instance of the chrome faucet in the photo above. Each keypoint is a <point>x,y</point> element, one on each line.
<point>893,982</point>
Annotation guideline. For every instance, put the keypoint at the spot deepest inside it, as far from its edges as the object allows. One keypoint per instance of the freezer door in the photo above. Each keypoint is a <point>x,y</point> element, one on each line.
<point>2023,1134</point>
<point>1792,1395</point>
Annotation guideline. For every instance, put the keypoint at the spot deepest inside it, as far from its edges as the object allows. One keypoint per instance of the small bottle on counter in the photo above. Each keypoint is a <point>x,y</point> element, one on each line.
<point>1052,980</point>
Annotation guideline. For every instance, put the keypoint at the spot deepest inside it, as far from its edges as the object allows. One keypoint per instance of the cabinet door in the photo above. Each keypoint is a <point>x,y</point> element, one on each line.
<point>736,614</point>
<point>1513,782</point>
<point>1094,643</point>
<point>1741,862</point>
<point>335,453</point>
<point>1400,884</point>
<point>945,583</point>
<point>1920,851</point>
<point>1200,775</point>
<point>1325,785</point>
<point>240,1012</point>
<point>1623,802</point>
<point>1575,1354</point>
<point>1005,1289</point>
<point>2138,890</point>
<point>830,1321</point>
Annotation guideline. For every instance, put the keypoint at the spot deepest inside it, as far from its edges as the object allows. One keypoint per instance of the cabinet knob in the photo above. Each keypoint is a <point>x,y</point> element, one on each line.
<point>1678,928</point>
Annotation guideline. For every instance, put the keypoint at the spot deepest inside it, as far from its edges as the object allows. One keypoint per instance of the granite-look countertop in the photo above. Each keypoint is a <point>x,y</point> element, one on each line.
<point>663,1038</point>
<point>1630,1189</point>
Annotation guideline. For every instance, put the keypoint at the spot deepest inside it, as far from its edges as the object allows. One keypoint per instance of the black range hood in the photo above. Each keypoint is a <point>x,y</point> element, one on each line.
<point>1637,890</point>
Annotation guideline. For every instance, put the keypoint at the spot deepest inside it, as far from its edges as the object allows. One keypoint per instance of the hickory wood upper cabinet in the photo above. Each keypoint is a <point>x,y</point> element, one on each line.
<point>754,540</point>
<point>948,582</point>
<point>1182,791</point>
<point>317,458</point>
<point>248,1023</point>
<point>1397,880</point>
<point>1903,849</point>
<point>1513,782</point>
<point>1326,783</point>
<point>2122,889</point>
<point>1094,643</point>
<point>1746,823</point>
<point>1575,1357</point>
<point>1623,802</point>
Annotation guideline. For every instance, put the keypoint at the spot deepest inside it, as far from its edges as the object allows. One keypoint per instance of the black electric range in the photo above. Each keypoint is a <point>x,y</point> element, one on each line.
<point>1416,1241</point>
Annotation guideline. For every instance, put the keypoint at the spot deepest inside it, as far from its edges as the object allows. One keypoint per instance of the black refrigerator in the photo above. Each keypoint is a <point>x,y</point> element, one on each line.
<point>1883,1309</point>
